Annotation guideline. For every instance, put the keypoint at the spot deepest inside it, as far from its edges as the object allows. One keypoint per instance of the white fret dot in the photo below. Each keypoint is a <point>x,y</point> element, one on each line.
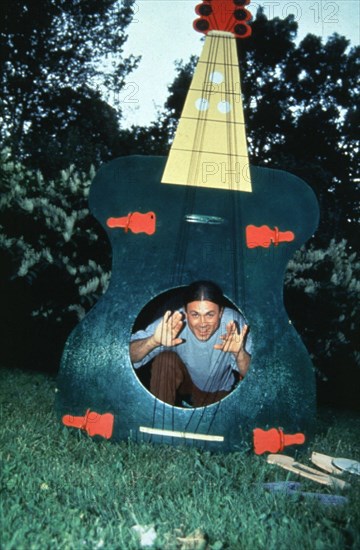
<point>216,77</point>
<point>224,107</point>
<point>202,104</point>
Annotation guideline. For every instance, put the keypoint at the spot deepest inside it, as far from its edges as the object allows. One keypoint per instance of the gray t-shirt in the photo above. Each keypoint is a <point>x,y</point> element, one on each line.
<point>210,369</point>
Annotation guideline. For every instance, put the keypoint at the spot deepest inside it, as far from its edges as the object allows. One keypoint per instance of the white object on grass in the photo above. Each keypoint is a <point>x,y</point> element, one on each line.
<point>147,535</point>
<point>347,465</point>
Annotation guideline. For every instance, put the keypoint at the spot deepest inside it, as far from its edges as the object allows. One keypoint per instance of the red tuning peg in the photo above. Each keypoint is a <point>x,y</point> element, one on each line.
<point>274,440</point>
<point>93,423</point>
<point>135,222</point>
<point>265,236</point>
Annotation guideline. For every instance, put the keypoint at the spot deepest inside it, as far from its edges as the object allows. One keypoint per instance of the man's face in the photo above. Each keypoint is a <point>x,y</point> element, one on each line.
<point>203,318</point>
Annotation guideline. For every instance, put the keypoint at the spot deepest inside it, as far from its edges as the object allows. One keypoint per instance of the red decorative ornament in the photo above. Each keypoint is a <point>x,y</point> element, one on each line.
<point>93,423</point>
<point>274,440</point>
<point>264,236</point>
<point>135,222</point>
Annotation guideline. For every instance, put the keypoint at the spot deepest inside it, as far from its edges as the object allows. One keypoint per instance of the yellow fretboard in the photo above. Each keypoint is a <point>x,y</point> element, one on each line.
<point>209,148</point>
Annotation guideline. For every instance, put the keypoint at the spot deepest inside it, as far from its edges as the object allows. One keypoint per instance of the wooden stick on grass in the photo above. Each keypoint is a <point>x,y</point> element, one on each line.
<point>288,463</point>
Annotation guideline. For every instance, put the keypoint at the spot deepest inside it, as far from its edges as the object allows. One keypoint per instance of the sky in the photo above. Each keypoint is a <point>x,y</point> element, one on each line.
<point>162,33</point>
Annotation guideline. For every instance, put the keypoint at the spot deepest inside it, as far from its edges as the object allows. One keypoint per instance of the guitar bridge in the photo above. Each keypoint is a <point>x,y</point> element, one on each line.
<point>204,219</point>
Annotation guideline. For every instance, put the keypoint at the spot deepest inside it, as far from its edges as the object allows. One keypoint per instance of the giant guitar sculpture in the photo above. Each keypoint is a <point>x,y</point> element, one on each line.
<point>201,213</point>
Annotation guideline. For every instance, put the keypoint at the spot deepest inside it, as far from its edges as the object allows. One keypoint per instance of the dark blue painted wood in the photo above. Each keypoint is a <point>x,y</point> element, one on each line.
<point>96,371</point>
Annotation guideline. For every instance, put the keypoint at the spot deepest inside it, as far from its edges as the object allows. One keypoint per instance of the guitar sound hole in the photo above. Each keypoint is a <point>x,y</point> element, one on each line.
<point>152,312</point>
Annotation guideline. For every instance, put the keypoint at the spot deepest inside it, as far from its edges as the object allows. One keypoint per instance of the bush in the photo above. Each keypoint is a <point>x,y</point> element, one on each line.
<point>322,297</point>
<point>54,257</point>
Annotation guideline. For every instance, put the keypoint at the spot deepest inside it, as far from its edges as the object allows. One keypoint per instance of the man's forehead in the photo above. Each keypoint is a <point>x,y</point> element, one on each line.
<point>203,306</point>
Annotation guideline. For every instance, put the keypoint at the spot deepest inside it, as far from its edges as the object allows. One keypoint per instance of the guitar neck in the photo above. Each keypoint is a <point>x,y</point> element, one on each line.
<point>209,148</point>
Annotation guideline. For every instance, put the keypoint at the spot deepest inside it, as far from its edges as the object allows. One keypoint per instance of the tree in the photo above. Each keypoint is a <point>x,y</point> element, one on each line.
<point>54,57</point>
<point>88,136</point>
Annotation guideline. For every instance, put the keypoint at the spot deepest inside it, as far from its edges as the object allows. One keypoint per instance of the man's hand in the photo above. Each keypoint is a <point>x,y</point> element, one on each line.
<point>233,341</point>
<point>166,333</point>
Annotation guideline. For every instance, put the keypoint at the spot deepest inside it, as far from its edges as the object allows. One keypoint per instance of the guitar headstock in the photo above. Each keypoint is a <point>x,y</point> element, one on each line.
<point>224,15</point>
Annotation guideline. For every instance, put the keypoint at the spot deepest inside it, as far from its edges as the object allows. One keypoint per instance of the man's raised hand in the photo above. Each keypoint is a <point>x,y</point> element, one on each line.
<point>233,341</point>
<point>166,333</point>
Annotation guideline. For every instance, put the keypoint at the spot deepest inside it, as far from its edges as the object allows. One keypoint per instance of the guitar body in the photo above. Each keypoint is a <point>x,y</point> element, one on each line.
<point>199,233</point>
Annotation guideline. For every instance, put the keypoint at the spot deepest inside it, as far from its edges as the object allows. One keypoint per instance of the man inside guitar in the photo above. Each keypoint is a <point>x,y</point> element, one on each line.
<point>199,352</point>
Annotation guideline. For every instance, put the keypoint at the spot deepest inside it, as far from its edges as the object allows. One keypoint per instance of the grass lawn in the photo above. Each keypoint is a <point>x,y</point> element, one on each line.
<point>60,489</point>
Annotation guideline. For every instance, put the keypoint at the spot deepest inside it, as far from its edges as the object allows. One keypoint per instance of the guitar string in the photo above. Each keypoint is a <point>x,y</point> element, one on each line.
<point>195,165</point>
<point>213,58</point>
<point>193,173</point>
<point>188,208</point>
<point>232,148</point>
<point>199,139</point>
<point>191,189</point>
<point>232,145</point>
<point>192,178</point>
<point>238,252</point>
<point>237,203</point>
<point>233,142</point>
<point>198,143</point>
<point>199,136</point>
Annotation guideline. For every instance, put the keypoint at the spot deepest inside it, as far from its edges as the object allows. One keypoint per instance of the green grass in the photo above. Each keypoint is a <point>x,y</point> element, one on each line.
<point>63,490</point>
